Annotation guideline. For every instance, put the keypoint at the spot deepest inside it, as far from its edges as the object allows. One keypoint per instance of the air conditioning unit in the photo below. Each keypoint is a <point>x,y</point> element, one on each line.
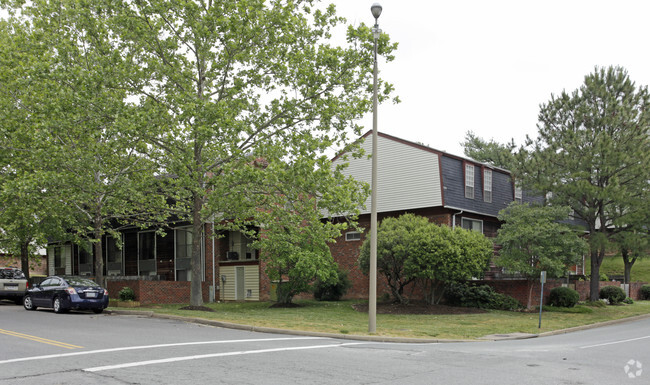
<point>232,255</point>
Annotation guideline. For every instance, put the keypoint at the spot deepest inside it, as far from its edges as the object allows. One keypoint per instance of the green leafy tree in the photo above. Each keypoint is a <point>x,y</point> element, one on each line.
<point>397,241</point>
<point>500,155</point>
<point>27,212</point>
<point>89,159</point>
<point>443,255</point>
<point>219,85</point>
<point>593,154</point>
<point>409,247</point>
<point>533,239</point>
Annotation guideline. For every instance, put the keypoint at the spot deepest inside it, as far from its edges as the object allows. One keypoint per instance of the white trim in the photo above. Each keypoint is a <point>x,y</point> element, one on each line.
<point>348,235</point>
<point>472,220</point>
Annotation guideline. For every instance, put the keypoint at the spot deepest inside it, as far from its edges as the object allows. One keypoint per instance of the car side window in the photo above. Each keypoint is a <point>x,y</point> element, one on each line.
<point>47,282</point>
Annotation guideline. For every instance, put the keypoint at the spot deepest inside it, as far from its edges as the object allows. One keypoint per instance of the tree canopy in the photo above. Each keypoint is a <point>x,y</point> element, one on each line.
<point>534,239</point>
<point>233,103</point>
<point>593,153</point>
<point>410,247</point>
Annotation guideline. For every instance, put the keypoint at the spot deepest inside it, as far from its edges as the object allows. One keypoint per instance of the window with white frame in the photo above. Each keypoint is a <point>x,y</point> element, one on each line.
<point>353,236</point>
<point>487,186</point>
<point>469,181</point>
<point>472,224</point>
<point>518,194</point>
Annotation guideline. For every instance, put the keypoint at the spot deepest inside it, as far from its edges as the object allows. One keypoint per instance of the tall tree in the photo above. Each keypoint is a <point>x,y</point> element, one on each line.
<point>219,84</point>
<point>500,155</point>
<point>533,239</point>
<point>89,156</point>
<point>593,153</point>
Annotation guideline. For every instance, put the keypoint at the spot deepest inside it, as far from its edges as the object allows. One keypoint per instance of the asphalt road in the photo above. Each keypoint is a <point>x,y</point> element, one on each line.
<point>83,348</point>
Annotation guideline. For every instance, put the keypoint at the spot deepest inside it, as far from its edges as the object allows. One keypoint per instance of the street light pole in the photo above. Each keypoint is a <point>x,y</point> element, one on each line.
<point>372,291</point>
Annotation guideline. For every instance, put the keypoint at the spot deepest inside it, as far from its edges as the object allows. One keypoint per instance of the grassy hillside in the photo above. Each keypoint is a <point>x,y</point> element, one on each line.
<point>614,266</point>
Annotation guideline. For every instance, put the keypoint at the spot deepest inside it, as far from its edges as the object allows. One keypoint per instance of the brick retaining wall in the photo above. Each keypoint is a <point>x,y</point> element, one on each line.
<point>157,292</point>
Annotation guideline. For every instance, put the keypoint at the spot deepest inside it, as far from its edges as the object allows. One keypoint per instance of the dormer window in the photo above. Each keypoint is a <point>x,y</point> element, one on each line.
<point>487,186</point>
<point>469,181</point>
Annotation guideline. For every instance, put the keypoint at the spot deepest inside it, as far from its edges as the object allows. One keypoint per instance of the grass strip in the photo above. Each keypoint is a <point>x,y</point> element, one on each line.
<point>341,318</point>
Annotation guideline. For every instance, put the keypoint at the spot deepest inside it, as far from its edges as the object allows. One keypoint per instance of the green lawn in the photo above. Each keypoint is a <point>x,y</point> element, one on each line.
<point>341,318</point>
<point>614,266</point>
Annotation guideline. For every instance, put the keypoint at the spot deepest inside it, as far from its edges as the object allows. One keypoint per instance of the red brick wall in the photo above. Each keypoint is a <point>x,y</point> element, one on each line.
<point>518,289</point>
<point>36,267</point>
<point>157,292</point>
<point>346,253</point>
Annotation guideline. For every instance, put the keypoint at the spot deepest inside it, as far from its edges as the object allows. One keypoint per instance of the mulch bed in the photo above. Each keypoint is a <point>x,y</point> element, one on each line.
<point>197,308</point>
<point>417,308</point>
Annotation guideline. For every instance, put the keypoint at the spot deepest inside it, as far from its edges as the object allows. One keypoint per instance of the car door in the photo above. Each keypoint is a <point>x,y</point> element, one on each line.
<point>50,291</point>
<point>37,293</point>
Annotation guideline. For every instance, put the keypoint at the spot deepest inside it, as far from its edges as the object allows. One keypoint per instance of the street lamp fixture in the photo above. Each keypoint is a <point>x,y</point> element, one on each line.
<point>372,290</point>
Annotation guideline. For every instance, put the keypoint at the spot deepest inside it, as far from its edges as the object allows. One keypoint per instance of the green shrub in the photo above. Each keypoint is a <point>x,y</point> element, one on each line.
<point>613,294</point>
<point>332,291</point>
<point>126,294</point>
<point>603,277</point>
<point>645,292</point>
<point>563,297</point>
<point>482,297</point>
<point>598,303</point>
<point>628,301</point>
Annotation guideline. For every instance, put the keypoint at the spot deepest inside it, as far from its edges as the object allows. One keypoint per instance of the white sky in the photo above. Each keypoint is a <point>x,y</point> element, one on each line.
<point>486,66</point>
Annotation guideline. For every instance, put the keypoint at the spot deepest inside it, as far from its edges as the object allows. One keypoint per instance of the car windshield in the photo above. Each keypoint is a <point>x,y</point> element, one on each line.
<point>79,281</point>
<point>11,274</point>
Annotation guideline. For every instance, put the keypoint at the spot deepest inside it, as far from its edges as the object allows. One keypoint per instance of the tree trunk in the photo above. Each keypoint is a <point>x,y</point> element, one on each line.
<point>628,263</point>
<point>99,255</point>
<point>24,258</point>
<point>196,290</point>
<point>594,284</point>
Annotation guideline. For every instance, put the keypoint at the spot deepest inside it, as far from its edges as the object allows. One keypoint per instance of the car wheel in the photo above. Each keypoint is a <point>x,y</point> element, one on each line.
<point>58,308</point>
<point>28,304</point>
<point>98,311</point>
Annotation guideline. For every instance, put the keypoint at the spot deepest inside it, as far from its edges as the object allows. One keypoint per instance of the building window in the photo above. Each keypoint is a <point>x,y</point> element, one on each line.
<point>240,247</point>
<point>147,253</point>
<point>183,261</point>
<point>518,194</point>
<point>469,181</point>
<point>353,236</point>
<point>472,224</point>
<point>113,257</point>
<point>487,186</point>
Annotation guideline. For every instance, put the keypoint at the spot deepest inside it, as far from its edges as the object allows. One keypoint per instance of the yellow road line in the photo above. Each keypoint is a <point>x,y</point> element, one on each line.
<point>40,339</point>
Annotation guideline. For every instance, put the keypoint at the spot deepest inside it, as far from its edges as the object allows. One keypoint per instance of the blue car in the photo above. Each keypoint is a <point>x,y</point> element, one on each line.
<point>63,293</point>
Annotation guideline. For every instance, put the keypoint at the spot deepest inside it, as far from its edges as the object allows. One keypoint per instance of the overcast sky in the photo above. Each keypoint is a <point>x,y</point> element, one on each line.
<point>486,66</point>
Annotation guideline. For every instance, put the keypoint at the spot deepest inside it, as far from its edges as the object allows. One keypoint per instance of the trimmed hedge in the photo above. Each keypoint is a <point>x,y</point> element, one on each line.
<point>563,297</point>
<point>613,294</point>
<point>126,294</point>
<point>645,292</point>
<point>482,297</point>
<point>332,291</point>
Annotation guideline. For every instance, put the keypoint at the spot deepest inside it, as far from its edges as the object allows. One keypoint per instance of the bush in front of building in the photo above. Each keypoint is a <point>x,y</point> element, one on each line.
<point>126,294</point>
<point>613,294</point>
<point>563,297</point>
<point>482,297</point>
<point>324,291</point>
<point>645,292</point>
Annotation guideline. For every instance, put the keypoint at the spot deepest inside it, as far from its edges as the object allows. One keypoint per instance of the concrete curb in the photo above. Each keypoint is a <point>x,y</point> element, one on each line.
<point>493,337</point>
<point>594,326</point>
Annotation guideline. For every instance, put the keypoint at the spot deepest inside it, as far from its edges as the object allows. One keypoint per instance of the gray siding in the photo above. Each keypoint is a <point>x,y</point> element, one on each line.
<point>453,178</point>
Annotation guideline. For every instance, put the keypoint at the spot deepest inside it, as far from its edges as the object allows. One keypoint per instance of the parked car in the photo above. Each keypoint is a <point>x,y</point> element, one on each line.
<point>12,284</point>
<point>63,293</point>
